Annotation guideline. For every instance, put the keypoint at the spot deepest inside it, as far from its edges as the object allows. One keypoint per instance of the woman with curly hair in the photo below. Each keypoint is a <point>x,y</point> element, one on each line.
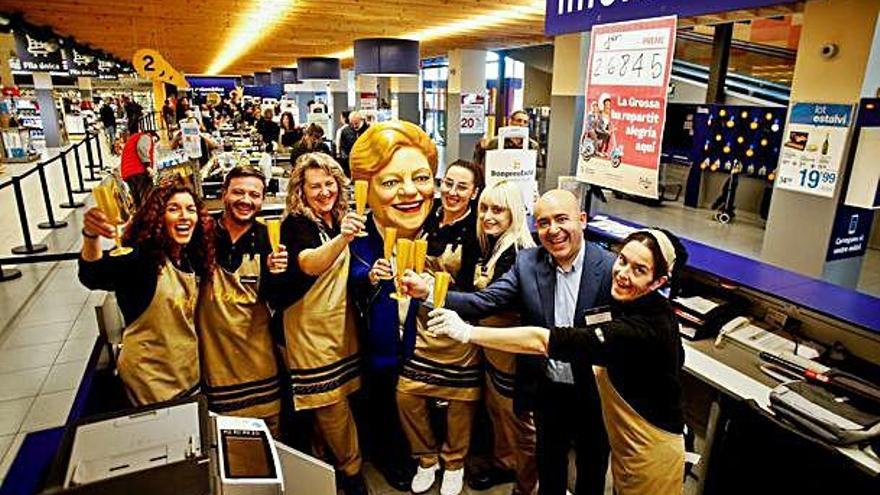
<point>311,300</point>
<point>156,288</point>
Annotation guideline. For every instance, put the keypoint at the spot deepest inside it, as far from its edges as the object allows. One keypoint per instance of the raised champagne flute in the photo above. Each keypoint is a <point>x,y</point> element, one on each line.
<point>420,253</point>
<point>404,263</point>
<point>273,226</point>
<point>441,287</point>
<point>388,251</point>
<point>108,205</point>
<point>361,187</point>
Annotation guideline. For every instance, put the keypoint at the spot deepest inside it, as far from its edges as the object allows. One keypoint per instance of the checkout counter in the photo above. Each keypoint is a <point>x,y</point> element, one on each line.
<point>747,448</point>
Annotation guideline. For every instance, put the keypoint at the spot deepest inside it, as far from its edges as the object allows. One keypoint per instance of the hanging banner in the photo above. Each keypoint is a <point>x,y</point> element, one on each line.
<point>81,63</point>
<point>38,53</point>
<point>473,113</point>
<point>568,16</point>
<point>150,64</point>
<point>627,77</point>
<point>812,148</point>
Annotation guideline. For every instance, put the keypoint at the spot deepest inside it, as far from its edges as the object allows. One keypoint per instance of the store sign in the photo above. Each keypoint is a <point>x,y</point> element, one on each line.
<point>107,70</point>
<point>191,138</point>
<point>206,85</point>
<point>369,101</point>
<point>573,16</point>
<point>150,64</point>
<point>80,63</point>
<point>627,76</point>
<point>850,233</point>
<point>38,53</point>
<point>812,148</point>
<point>473,113</point>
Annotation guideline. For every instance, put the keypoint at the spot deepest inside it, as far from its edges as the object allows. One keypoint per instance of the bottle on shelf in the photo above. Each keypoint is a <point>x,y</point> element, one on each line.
<point>825,145</point>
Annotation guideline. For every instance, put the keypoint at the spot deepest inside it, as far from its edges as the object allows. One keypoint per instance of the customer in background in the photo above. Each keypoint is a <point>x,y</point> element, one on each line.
<point>311,142</point>
<point>156,288</point>
<point>502,233</point>
<point>133,111</point>
<point>519,118</point>
<point>168,117</point>
<point>182,106</point>
<point>138,162</point>
<point>636,353</point>
<point>290,133</point>
<point>268,130</point>
<point>357,125</point>
<point>343,124</point>
<point>108,119</point>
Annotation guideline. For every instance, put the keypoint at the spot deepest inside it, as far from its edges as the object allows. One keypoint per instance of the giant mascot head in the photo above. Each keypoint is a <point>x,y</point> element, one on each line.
<point>399,160</point>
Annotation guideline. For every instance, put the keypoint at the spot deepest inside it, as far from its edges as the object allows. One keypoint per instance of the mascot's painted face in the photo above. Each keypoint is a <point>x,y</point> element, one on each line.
<point>402,193</point>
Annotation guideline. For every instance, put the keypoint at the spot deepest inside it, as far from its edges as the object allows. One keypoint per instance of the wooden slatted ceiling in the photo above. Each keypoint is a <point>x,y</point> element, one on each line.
<point>192,33</point>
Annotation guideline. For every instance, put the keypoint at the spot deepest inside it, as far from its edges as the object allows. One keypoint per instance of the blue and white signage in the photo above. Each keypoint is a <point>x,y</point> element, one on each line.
<point>573,16</point>
<point>812,148</point>
<point>202,86</point>
<point>849,235</point>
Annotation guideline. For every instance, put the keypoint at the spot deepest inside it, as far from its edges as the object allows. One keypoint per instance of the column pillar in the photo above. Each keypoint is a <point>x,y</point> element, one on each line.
<point>85,87</point>
<point>799,226</point>
<point>339,91</point>
<point>570,54</point>
<point>48,112</point>
<point>720,59</point>
<point>7,45</point>
<point>405,98</point>
<point>467,74</point>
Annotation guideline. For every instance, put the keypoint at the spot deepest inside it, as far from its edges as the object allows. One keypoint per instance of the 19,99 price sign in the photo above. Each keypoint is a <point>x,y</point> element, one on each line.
<point>812,148</point>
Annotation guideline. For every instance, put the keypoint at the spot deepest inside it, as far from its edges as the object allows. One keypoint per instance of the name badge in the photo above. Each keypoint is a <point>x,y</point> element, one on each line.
<point>597,316</point>
<point>249,279</point>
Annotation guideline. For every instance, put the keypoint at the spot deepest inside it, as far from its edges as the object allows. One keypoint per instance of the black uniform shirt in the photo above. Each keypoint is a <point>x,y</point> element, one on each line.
<point>298,233</point>
<point>253,242</point>
<point>132,277</point>
<point>641,348</point>
<point>462,232</point>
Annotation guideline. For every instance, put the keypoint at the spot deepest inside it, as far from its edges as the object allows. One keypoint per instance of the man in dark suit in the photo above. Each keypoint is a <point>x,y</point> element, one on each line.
<point>553,285</point>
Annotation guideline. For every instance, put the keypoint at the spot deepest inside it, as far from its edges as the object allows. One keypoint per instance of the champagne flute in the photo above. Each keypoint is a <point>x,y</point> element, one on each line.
<point>390,239</point>
<point>404,263</point>
<point>441,287</point>
<point>107,203</point>
<point>420,252</point>
<point>273,225</point>
<point>361,187</point>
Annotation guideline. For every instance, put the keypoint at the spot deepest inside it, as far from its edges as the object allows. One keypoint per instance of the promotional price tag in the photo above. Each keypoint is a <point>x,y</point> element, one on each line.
<point>812,148</point>
<point>473,113</point>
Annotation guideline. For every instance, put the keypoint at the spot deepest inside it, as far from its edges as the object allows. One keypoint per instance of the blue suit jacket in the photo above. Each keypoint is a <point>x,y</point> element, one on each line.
<point>381,344</point>
<point>530,288</point>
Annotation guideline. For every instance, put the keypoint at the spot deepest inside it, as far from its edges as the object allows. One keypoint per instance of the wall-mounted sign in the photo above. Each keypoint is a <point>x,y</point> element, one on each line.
<point>812,148</point>
<point>206,85</point>
<point>568,16</point>
<point>850,233</point>
<point>38,53</point>
<point>107,70</point>
<point>81,63</point>
<point>627,77</point>
<point>473,113</point>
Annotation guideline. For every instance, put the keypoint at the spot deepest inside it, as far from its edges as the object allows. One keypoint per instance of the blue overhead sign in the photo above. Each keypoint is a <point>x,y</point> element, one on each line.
<point>573,16</point>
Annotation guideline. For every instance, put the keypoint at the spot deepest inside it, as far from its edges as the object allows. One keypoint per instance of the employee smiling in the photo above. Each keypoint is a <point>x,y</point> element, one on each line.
<point>155,286</point>
<point>636,354</point>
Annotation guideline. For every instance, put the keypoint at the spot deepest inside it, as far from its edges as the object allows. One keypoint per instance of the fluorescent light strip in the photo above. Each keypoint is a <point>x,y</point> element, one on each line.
<point>251,27</point>
<point>483,21</point>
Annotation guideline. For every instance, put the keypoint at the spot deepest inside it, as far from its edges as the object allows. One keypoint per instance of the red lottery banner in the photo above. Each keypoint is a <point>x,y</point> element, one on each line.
<point>625,108</point>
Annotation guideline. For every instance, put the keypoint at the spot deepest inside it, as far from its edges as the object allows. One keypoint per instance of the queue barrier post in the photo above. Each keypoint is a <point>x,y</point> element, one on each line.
<point>44,185</point>
<point>29,247</point>
<point>71,203</point>
<point>7,274</point>
<point>79,175</point>
<point>100,152</point>
<point>92,177</point>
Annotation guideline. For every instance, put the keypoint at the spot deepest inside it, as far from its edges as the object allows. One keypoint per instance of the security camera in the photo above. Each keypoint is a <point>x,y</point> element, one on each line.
<point>829,50</point>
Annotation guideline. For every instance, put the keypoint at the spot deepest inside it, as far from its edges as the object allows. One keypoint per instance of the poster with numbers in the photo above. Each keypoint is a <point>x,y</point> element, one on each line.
<point>812,148</point>
<point>625,108</point>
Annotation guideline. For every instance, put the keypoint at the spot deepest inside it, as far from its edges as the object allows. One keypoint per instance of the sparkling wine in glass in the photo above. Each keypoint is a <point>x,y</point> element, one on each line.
<point>273,225</point>
<point>420,252</point>
<point>441,287</point>
<point>361,187</point>
<point>388,252</point>
<point>404,263</point>
<point>110,207</point>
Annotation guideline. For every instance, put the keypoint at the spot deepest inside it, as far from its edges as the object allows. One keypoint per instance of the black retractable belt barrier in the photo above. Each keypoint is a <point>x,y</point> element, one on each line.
<point>79,175</point>
<point>29,247</point>
<point>51,223</point>
<point>70,201</point>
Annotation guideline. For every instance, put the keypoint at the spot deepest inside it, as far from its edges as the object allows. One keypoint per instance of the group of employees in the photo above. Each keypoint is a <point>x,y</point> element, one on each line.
<point>563,344</point>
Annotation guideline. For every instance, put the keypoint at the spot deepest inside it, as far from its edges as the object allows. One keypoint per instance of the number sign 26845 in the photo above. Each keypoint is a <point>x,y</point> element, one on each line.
<point>642,68</point>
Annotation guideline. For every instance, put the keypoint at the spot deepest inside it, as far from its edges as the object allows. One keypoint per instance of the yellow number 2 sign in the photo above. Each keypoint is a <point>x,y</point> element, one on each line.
<point>150,64</point>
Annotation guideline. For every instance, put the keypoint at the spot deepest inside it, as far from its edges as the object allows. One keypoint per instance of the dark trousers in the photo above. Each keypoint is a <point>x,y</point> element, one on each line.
<point>569,415</point>
<point>383,439</point>
<point>140,186</point>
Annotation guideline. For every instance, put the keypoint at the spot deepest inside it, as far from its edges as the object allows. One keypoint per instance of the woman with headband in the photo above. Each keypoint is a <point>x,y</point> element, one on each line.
<point>636,353</point>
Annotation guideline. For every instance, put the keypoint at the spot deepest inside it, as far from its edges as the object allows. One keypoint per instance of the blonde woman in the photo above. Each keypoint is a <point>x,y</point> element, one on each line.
<point>502,232</point>
<point>311,300</point>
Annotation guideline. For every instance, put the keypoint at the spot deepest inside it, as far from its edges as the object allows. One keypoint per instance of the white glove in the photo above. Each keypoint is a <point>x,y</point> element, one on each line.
<point>447,322</point>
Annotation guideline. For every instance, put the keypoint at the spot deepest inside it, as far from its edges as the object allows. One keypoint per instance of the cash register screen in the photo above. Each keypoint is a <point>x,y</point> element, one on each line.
<point>247,455</point>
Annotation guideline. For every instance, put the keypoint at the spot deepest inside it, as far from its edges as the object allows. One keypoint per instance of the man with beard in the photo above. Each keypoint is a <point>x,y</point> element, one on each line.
<point>239,369</point>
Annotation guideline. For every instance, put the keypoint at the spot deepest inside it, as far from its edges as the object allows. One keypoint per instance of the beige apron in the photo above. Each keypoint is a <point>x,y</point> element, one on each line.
<point>501,365</point>
<point>238,362</point>
<point>441,367</point>
<point>645,460</point>
<point>321,347</point>
<point>159,360</point>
